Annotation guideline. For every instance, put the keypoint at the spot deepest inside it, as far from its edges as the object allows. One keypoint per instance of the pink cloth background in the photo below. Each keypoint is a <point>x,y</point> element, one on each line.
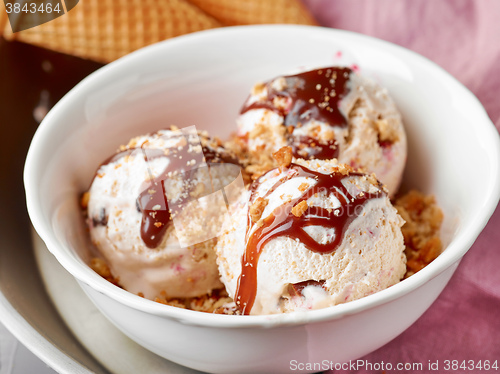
<point>462,36</point>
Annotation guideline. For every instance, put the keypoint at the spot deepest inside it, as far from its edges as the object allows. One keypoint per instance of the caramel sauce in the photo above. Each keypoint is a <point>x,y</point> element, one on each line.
<point>310,95</point>
<point>282,223</point>
<point>152,201</point>
<point>309,148</point>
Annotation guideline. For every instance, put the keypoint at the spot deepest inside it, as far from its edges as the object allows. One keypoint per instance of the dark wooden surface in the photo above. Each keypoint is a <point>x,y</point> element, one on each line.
<point>30,78</point>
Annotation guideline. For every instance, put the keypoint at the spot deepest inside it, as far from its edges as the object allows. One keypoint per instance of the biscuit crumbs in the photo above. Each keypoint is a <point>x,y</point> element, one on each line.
<point>215,302</point>
<point>299,209</point>
<point>132,143</point>
<point>101,267</point>
<point>344,169</point>
<point>372,178</point>
<point>257,209</point>
<point>421,231</point>
<point>259,166</point>
<point>315,131</point>
<point>258,131</point>
<point>258,89</point>
<point>283,156</point>
<point>84,201</point>
<point>303,187</point>
<point>386,133</point>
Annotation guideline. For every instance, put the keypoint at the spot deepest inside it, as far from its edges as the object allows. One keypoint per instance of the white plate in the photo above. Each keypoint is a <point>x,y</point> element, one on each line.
<point>105,342</point>
<point>176,80</point>
<point>26,310</point>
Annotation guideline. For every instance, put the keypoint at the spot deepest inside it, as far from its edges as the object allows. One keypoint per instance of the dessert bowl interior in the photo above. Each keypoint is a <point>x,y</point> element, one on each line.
<point>202,80</point>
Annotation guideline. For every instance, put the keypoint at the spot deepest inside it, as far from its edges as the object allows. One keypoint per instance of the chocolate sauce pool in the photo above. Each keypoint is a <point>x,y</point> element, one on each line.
<point>282,223</point>
<point>311,95</point>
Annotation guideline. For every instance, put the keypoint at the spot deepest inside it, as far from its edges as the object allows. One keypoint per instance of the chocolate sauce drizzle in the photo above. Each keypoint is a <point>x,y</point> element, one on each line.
<point>311,95</point>
<point>296,289</point>
<point>152,201</point>
<point>153,204</point>
<point>282,223</point>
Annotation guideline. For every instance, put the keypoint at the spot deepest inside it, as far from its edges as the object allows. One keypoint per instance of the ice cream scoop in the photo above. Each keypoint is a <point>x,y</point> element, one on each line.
<point>327,113</point>
<point>310,235</point>
<point>153,212</point>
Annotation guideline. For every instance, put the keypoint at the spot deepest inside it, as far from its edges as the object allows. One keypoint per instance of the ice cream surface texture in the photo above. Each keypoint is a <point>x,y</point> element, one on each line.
<point>309,235</point>
<point>324,114</point>
<point>148,216</point>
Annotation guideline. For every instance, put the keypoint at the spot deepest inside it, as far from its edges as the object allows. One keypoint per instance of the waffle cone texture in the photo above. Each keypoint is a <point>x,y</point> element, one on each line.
<point>104,30</point>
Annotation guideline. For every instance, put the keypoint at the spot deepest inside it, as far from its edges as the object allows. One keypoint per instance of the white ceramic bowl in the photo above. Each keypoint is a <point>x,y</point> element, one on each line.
<point>202,79</point>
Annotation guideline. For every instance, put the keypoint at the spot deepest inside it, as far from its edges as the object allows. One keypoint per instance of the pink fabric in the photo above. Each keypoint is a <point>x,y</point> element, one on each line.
<point>462,36</point>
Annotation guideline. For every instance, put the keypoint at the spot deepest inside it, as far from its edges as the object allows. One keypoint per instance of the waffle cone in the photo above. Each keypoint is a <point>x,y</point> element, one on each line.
<point>247,12</point>
<point>104,30</point>
<point>3,18</point>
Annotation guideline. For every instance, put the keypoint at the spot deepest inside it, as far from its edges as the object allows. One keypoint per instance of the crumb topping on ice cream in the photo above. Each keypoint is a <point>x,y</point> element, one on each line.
<point>326,234</point>
<point>173,221</point>
<point>324,114</point>
<point>312,96</point>
<point>133,201</point>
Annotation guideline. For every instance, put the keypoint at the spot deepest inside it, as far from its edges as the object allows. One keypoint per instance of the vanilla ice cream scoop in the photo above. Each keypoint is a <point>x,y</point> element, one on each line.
<point>152,212</point>
<point>324,114</point>
<point>310,235</point>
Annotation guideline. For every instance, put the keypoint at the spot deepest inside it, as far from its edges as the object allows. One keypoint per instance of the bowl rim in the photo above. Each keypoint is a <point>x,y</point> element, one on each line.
<point>454,251</point>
